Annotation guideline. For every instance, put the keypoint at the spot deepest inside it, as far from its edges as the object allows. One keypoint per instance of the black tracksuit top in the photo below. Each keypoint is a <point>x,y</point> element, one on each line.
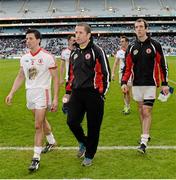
<point>88,68</point>
<point>146,62</point>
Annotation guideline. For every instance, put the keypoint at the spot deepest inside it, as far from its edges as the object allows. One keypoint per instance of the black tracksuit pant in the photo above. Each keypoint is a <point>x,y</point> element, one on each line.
<point>90,102</point>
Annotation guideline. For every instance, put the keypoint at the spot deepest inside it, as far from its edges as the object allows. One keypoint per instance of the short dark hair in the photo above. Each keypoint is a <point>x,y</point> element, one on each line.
<point>70,36</point>
<point>124,37</point>
<point>36,33</point>
<point>86,26</point>
<point>143,20</point>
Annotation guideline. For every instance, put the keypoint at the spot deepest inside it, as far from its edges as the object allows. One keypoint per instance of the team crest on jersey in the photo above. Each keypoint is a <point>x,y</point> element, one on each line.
<point>32,73</point>
<point>40,61</point>
<point>135,51</point>
<point>75,56</point>
<point>148,50</point>
<point>87,56</point>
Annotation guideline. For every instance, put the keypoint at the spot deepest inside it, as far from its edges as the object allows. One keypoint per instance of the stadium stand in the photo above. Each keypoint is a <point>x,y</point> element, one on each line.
<point>55,8</point>
<point>117,28</point>
<point>109,19</point>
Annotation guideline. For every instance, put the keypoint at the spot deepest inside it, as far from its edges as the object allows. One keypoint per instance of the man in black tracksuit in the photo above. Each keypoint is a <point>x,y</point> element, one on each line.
<point>88,82</point>
<point>146,62</point>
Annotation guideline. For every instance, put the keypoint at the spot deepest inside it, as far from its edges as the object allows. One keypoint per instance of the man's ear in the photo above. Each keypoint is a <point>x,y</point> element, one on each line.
<point>89,35</point>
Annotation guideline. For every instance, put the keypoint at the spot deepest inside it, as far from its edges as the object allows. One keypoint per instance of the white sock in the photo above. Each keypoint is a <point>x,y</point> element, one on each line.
<point>37,152</point>
<point>126,104</point>
<point>144,139</point>
<point>50,138</point>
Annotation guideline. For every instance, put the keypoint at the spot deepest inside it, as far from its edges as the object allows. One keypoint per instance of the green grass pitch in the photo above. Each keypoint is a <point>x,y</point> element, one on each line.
<point>17,130</point>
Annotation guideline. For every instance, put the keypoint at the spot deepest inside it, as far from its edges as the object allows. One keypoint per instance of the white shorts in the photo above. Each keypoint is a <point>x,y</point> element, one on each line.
<point>141,93</point>
<point>129,83</point>
<point>38,98</point>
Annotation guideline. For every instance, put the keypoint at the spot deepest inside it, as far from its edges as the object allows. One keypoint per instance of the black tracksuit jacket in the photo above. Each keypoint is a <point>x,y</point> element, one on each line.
<point>88,68</point>
<point>146,62</point>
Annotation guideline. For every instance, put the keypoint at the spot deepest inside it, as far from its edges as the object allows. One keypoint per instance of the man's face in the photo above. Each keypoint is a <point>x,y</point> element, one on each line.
<point>140,29</point>
<point>72,40</point>
<point>123,43</point>
<point>31,41</point>
<point>82,36</point>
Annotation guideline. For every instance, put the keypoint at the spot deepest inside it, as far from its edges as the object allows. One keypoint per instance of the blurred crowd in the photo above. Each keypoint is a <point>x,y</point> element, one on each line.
<point>10,47</point>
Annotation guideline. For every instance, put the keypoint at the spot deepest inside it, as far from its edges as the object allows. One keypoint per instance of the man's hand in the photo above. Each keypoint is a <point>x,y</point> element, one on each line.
<point>66,98</point>
<point>61,82</point>
<point>9,98</point>
<point>165,89</point>
<point>124,88</point>
<point>113,77</point>
<point>65,101</point>
<point>54,105</point>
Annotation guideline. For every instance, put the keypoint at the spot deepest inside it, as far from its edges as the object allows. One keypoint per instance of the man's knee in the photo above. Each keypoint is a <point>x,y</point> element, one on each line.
<point>38,125</point>
<point>147,110</point>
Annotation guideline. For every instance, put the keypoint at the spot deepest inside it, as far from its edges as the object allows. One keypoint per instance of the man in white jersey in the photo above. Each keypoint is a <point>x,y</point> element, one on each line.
<point>37,68</point>
<point>120,60</point>
<point>65,55</point>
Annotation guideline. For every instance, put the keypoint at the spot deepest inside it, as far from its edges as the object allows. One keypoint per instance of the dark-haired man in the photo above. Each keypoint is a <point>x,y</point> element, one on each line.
<point>120,60</point>
<point>88,82</point>
<point>146,62</point>
<point>37,67</point>
<point>65,55</point>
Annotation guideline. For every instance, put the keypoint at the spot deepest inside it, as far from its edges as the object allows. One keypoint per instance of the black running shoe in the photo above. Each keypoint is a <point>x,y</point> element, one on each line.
<point>34,164</point>
<point>48,147</point>
<point>142,148</point>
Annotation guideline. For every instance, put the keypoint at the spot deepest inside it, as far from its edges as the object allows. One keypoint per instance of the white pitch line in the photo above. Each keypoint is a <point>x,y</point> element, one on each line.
<point>104,148</point>
<point>173,82</point>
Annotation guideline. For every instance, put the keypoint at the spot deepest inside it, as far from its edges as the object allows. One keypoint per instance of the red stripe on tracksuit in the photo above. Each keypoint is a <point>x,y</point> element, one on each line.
<point>71,77</point>
<point>128,70</point>
<point>98,81</point>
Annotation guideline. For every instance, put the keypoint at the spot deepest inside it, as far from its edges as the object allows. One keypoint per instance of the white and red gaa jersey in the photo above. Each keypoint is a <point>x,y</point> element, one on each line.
<point>36,69</point>
<point>121,56</point>
<point>65,55</point>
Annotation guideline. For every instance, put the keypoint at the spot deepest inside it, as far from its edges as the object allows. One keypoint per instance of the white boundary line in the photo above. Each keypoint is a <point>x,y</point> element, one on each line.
<point>104,148</point>
<point>173,82</point>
